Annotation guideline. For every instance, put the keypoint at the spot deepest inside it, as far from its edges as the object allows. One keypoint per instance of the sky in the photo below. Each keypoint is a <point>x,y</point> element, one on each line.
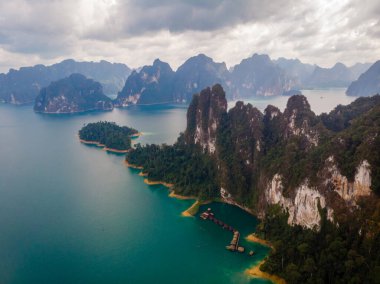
<point>135,32</point>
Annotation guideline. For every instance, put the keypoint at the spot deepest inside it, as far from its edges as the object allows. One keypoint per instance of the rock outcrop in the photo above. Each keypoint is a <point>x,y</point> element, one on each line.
<point>153,84</point>
<point>259,76</point>
<point>197,73</point>
<point>204,116</point>
<point>73,94</point>
<point>303,208</point>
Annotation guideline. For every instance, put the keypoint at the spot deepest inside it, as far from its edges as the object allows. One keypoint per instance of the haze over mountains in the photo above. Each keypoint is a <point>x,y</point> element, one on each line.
<point>255,76</point>
<point>22,86</point>
<point>368,83</point>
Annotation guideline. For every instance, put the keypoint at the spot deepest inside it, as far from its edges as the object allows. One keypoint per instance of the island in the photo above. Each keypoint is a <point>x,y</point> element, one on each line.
<point>73,94</point>
<point>108,135</point>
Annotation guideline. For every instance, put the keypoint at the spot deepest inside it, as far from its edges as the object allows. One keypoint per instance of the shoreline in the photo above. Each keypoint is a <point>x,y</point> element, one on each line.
<point>257,273</point>
<point>136,135</point>
<point>97,144</point>
<point>194,208</point>
<point>149,182</point>
<point>253,271</point>
<point>255,239</point>
<point>132,165</point>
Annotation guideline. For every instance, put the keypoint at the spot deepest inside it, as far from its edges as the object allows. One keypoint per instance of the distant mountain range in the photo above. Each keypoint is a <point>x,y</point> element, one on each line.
<point>23,85</point>
<point>255,76</point>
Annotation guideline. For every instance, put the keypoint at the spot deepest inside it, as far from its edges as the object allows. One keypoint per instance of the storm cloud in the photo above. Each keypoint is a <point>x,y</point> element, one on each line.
<point>136,32</point>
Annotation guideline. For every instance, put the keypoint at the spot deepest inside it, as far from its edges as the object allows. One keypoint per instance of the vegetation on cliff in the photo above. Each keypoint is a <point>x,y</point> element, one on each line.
<point>108,134</point>
<point>240,150</point>
<point>344,254</point>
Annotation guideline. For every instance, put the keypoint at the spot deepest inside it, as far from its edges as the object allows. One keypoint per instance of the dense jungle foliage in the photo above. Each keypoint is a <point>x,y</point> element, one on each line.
<point>109,134</point>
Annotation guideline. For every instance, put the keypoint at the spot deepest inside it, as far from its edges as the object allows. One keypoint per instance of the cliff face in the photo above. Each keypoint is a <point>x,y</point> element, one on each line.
<point>259,76</point>
<point>293,158</point>
<point>153,84</point>
<point>197,73</point>
<point>73,94</point>
<point>204,116</point>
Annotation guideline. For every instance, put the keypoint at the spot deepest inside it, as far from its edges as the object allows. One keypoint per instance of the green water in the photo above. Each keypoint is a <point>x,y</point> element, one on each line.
<point>72,213</point>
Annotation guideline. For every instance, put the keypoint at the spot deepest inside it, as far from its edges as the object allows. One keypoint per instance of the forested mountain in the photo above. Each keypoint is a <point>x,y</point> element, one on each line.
<point>259,76</point>
<point>22,86</point>
<point>153,84</point>
<point>195,74</point>
<point>314,180</point>
<point>73,94</point>
<point>368,83</point>
<point>301,72</point>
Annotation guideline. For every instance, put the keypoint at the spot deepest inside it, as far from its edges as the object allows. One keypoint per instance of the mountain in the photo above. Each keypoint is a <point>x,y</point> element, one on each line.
<point>153,84</point>
<point>338,76</point>
<point>73,94</point>
<point>359,68</point>
<point>296,69</point>
<point>160,84</point>
<point>197,73</point>
<point>313,181</point>
<point>259,76</point>
<point>22,86</point>
<point>313,76</point>
<point>368,83</point>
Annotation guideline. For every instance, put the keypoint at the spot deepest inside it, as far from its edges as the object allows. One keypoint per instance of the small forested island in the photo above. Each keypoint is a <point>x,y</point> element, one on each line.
<point>314,181</point>
<point>108,135</point>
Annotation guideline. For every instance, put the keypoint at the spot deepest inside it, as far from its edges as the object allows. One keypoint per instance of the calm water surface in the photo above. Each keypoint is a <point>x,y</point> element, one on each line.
<point>72,213</point>
<point>320,100</point>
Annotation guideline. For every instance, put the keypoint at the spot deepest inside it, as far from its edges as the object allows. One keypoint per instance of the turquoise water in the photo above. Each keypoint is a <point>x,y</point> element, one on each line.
<point>72,213</point>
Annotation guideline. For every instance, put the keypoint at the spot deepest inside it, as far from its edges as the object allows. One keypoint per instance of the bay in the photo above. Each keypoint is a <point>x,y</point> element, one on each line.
<point>72,213</point>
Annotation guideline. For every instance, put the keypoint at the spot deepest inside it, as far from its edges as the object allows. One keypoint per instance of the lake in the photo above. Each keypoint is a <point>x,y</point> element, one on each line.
<point>73,213</point>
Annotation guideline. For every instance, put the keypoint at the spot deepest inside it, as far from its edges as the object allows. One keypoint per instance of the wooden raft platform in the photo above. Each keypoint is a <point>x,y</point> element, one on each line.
<point>234,244</point>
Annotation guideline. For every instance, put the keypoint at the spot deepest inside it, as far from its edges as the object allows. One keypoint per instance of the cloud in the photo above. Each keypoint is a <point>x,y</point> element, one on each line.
<point>138,31</point>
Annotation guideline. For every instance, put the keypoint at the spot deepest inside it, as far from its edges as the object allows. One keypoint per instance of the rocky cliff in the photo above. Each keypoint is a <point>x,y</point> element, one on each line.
<point>204,116</point>
<point>73,94</point>
<point>289,158</point>
<point>197,73</point>
<point>153,84</point>
<point>259,76</point>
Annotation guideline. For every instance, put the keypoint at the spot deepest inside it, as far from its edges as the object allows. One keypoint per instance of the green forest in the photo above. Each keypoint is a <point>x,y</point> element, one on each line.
<point>348,253</point>
<point>192,171</point>
<point>109,134</point>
